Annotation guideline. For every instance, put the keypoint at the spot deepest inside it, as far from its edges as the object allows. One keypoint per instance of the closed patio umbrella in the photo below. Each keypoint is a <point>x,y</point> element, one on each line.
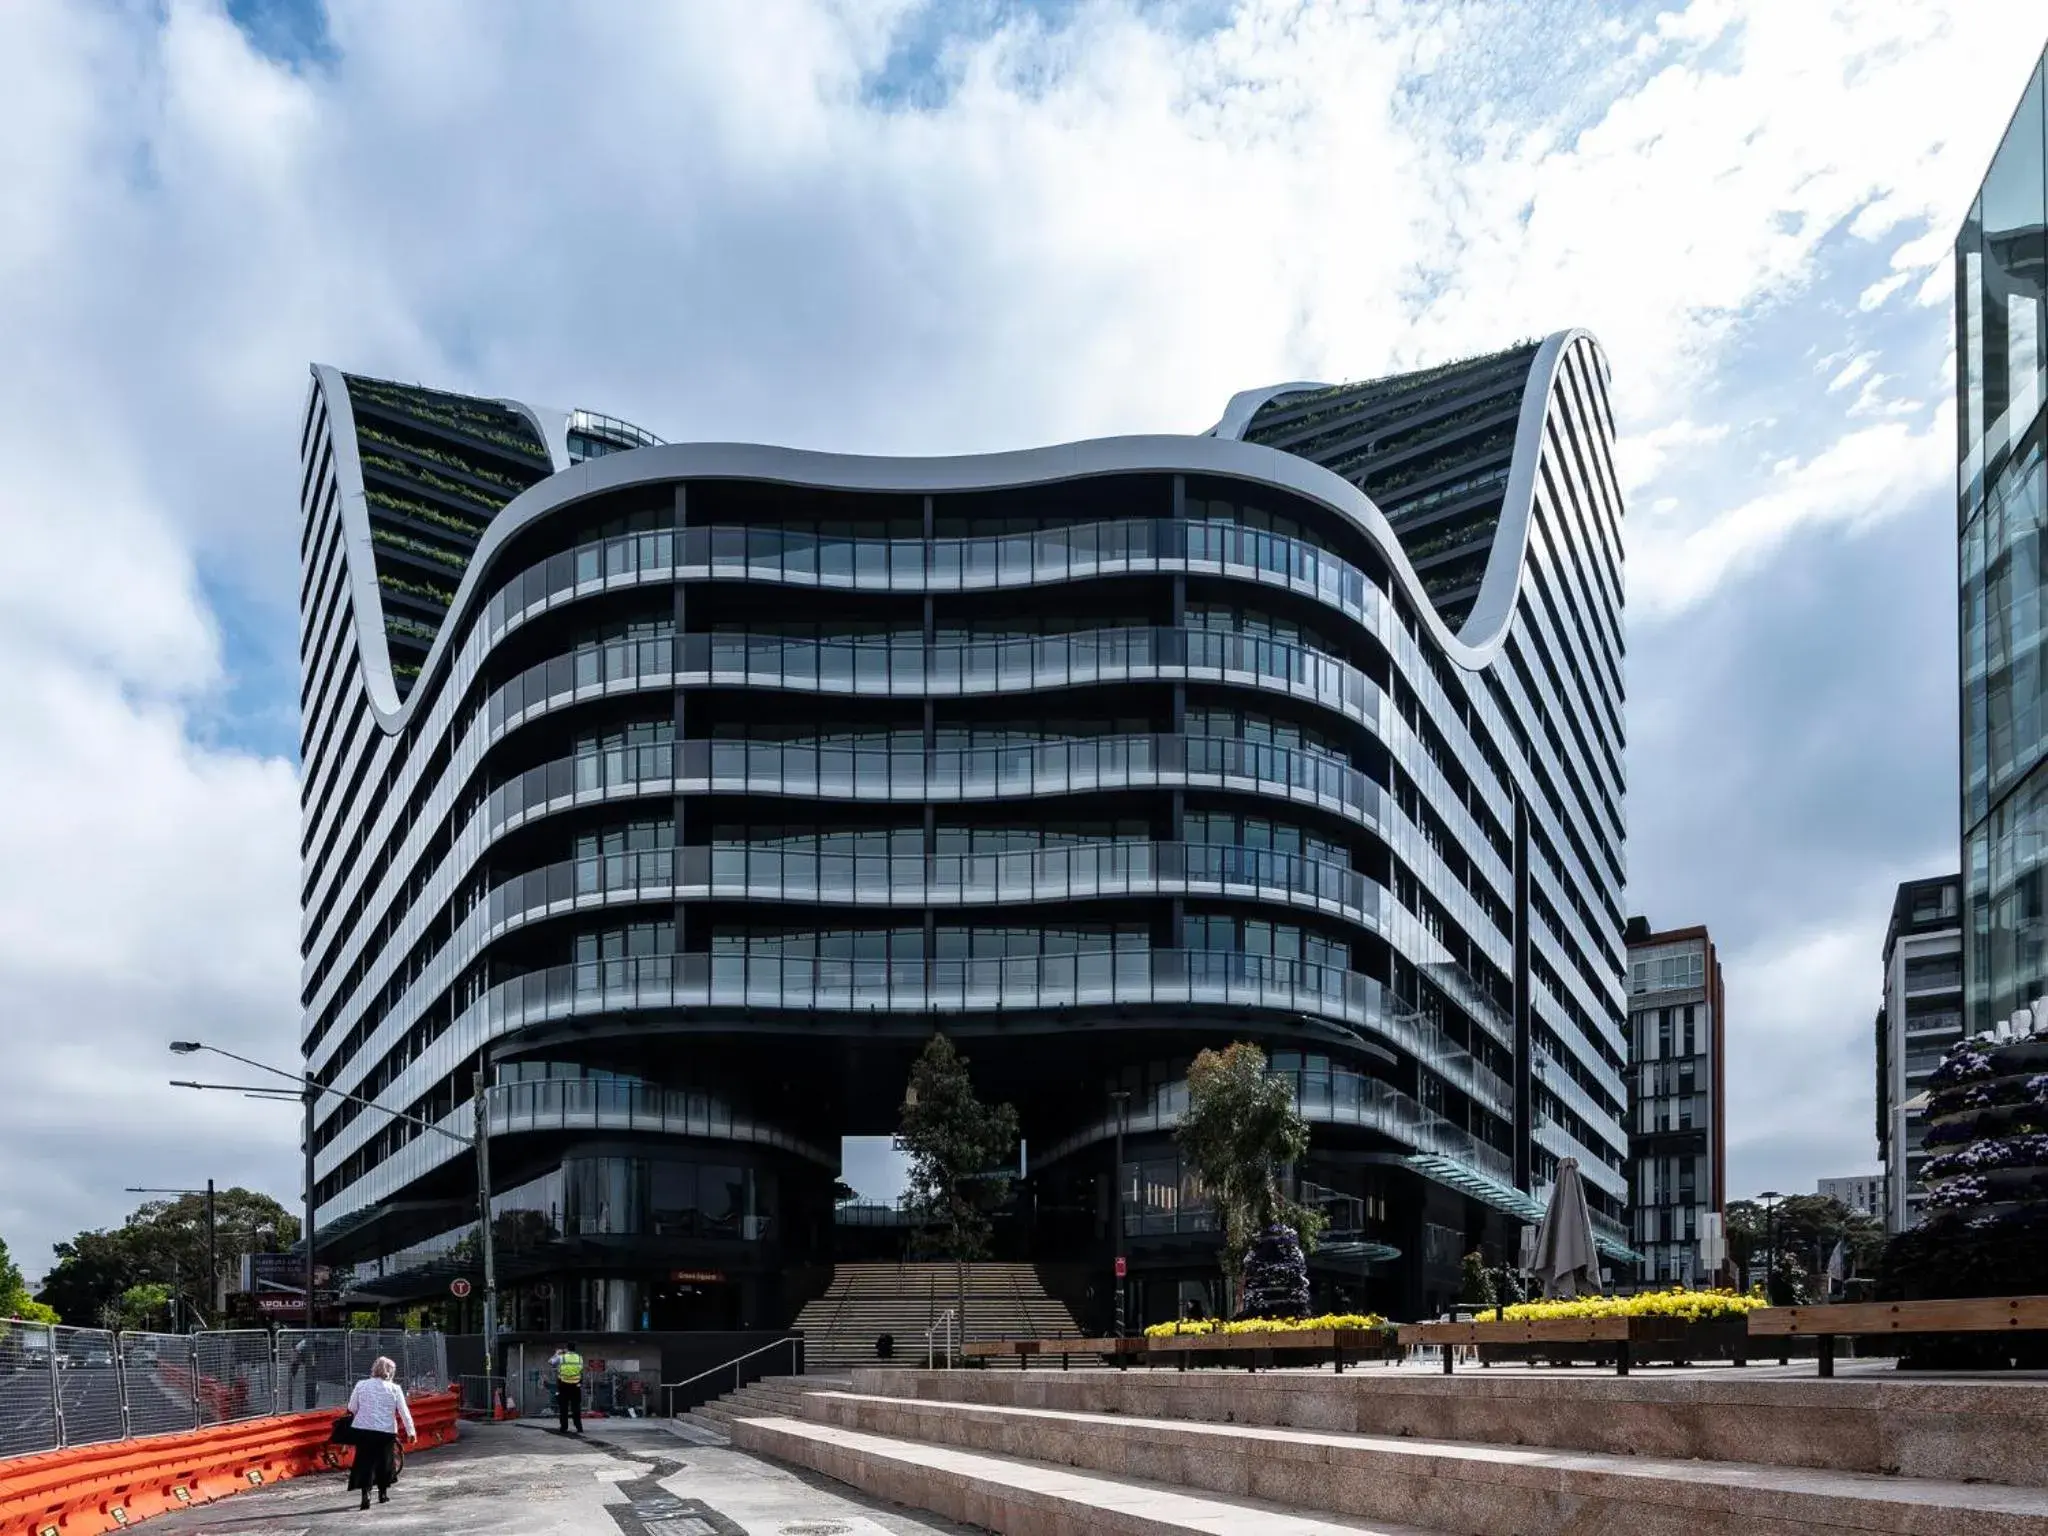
<point>1566,1258</point>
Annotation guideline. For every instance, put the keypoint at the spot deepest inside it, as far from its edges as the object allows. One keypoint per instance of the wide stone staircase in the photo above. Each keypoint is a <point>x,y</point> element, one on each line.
<point>865,1301</point>
<point>768,1397</point>
<point>1402,1452</point>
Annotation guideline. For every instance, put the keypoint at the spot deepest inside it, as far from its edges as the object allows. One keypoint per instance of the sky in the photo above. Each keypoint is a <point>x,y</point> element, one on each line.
<point>913,226</point>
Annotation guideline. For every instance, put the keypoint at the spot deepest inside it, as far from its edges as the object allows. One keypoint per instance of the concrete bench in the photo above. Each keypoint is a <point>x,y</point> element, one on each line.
<point>1624,1335</point>
<point>1825,1324</point>
<point>1023,1351</point>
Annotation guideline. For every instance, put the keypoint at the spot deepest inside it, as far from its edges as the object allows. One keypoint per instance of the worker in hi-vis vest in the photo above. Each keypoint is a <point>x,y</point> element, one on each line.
<point>568,1368</point>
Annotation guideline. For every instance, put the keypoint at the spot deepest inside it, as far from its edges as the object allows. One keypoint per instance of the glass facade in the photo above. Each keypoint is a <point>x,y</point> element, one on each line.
<point>2001,266</point>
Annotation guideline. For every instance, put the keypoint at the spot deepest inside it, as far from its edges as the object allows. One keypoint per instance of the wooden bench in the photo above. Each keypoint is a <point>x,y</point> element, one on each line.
<point>1024,1351</point>
<point>1337,1343</point>
<point>1983,1314</point>
<point>1624,1335</point>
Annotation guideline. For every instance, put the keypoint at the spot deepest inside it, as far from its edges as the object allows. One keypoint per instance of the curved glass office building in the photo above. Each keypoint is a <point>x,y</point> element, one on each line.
<point>683,790</point>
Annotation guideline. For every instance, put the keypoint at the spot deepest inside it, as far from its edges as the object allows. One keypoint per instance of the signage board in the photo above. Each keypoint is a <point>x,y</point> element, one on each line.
<point>292,1306</point>
<point>458,1288</point>
<point>697,1276</point>
<point>1713,1242</point>
<point>279,1272</point>
<point>1121,1267</point>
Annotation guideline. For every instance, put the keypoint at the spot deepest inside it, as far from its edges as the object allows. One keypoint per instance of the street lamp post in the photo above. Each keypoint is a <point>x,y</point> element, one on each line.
<point>1769,1199</point>
<point>308,1092</point>
<point>212,1250</point>
<point>1121,1097</point>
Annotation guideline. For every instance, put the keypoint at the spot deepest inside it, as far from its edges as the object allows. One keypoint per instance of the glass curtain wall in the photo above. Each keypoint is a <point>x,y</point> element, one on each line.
<point>2002,383</point>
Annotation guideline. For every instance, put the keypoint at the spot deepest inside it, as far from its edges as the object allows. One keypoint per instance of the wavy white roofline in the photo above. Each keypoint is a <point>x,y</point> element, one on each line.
<point>1475,645</point>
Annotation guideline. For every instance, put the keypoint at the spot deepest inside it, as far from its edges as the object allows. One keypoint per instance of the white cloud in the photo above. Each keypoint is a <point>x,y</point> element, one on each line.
<point>1851,371</point>
<point>703,218</point>
<point>1642,456</point>
<point>1870,473</point>
<point>1801,1044</point>
<point>1871,297</point>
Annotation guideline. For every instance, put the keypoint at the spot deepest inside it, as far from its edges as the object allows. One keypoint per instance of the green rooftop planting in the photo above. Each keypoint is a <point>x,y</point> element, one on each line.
<point>413,474</point>
<point>418,589</point>
<point>441,410</point>
<point>1376,485</point>
<point>405,506</point>
<point>1479,535</point>
<point>420,547</point>
<point>512,484</point>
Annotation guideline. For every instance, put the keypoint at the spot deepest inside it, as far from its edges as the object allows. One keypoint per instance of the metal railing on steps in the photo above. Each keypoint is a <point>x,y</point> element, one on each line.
<point>794,1343</point>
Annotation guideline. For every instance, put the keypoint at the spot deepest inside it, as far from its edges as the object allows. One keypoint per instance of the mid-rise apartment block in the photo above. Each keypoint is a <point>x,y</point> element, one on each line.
<point>1920,1018</point>
<point>1677,1097</point>
<point>1862,1193</point>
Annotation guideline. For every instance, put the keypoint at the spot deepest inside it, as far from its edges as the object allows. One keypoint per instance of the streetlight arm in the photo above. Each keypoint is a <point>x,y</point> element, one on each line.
<point>190,1047</point>
<point>307,1084</point>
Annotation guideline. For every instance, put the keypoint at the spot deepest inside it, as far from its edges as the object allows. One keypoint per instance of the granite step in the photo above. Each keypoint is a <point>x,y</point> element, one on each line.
<point>768,1395</point>
<point>1486,1490</point>
<point>1975,1429</point>
<point>1027,1498</point>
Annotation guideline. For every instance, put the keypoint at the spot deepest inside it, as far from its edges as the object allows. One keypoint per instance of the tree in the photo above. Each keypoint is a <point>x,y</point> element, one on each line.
<point>146,1307</point>
<point>1240,1129</point>
<point>163,1242</point>
<point>1805,1229</point>
<point>15,1300</point>
<point>1478,1288</point>
<point>86,1282</point>
<point>958,1147</point>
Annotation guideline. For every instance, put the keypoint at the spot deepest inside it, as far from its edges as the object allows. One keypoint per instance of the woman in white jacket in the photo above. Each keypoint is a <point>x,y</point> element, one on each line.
<point>378,1403</point>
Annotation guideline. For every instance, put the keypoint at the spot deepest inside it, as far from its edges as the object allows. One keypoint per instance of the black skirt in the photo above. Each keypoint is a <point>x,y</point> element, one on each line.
<point>373,1463</point>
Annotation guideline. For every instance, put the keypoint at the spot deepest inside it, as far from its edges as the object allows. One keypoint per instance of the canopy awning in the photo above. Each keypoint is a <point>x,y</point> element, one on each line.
<point>1502,1196</point>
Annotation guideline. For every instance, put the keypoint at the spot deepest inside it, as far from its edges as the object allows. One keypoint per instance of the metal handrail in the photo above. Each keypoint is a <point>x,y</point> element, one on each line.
<point>945,1319</point>
<point>794,1340</point>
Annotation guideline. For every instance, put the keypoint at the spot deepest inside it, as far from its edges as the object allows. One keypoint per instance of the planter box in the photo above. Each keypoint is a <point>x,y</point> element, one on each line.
<point>1251,1350</point>
<point>1624,1340</point>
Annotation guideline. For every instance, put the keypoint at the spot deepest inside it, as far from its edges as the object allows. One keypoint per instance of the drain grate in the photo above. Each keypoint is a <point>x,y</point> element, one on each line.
<point>817,1528</point>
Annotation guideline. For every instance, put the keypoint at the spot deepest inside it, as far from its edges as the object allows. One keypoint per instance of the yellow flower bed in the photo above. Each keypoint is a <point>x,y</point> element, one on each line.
<point>1331,1320</point>
<point>1693,1306</point>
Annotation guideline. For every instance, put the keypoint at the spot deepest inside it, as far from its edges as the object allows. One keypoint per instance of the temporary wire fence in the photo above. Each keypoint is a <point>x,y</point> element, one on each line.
<point>62,1386</point>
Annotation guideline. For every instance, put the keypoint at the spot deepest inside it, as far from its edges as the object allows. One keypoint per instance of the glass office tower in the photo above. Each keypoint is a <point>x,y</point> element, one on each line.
<point>2001,274</point>
<point>681,791</point>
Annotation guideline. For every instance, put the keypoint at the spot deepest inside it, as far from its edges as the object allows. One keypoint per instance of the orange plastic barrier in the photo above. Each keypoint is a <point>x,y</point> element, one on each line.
<point>92,1489</point>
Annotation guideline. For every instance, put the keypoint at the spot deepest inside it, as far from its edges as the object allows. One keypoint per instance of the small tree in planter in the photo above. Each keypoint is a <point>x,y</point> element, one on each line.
<point>1241,1128</point>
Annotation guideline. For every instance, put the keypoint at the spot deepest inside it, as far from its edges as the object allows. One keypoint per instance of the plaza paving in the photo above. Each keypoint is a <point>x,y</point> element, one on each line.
<point>1706,1451</point>
<point>625,1478</point>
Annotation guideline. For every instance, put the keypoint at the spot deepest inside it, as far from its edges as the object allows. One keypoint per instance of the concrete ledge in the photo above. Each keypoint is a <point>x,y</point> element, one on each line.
<point>1021,1498</point>
<point>1969,1430</point>
<point>1486,1490</point>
